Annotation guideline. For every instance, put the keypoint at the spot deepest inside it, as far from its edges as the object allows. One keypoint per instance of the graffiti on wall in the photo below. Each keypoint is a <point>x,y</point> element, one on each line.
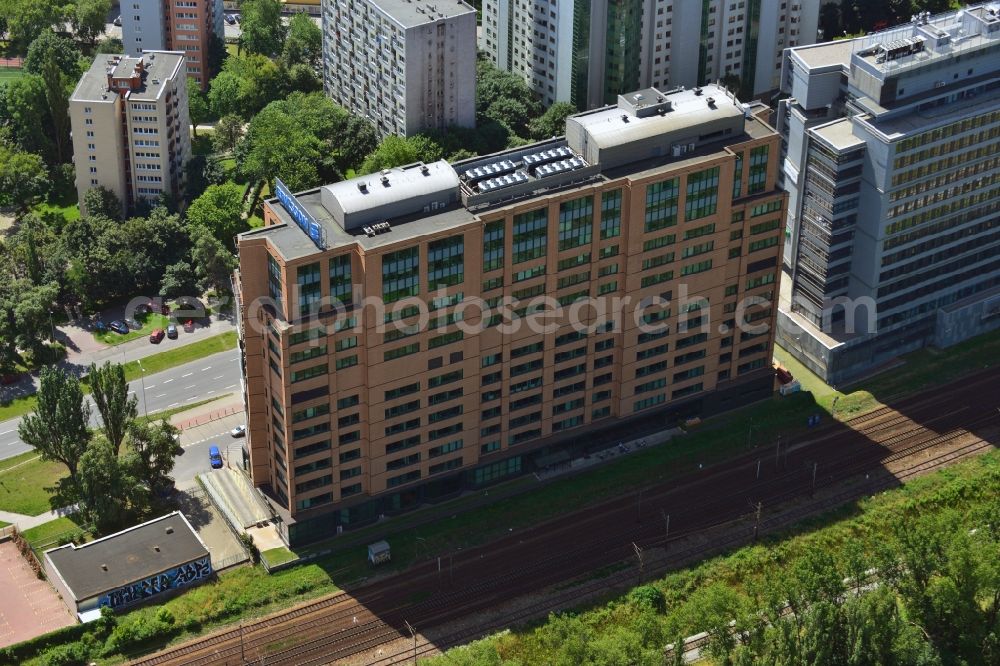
<point>186,574</point>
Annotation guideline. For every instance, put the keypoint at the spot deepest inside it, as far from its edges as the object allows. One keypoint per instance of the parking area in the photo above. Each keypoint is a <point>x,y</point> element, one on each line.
<point>226,550</point>
<point>29,607</point>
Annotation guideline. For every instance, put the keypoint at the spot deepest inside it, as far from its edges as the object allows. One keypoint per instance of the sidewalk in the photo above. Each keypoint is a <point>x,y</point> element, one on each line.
<point>219,409</point>
<point>24,522</point>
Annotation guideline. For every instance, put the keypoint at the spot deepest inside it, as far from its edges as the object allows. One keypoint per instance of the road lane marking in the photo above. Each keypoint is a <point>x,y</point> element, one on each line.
<point>231,386</point>
<point>188,387</point>
<point>160,395</point>
<point>207,367</point>
<point>173,404</point>
<point>187,375</point>
<point>167,381</point>
<point>6,432</point>
<point>219,377</point>
<point>210,393</point>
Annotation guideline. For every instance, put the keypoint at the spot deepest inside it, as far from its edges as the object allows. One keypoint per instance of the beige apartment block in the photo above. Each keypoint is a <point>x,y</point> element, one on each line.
<point>131,127</point>
<point>638,256</point>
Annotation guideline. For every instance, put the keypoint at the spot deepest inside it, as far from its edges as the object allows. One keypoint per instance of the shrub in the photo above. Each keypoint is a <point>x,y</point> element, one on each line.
<point>648,597</point>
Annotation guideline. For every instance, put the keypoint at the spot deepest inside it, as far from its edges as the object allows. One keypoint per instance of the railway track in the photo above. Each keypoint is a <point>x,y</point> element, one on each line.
<point>342,626</point>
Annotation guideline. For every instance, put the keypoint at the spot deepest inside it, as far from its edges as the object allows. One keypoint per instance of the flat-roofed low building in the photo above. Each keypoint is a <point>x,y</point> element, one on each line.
<point>413,333</point>
<point>142,563</point>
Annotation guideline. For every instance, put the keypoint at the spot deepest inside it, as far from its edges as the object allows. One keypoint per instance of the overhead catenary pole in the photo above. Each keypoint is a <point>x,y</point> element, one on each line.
<point>413,634</point>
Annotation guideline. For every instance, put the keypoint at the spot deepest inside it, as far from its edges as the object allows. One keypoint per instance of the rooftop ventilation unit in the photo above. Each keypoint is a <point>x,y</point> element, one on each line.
<point>368,231</point>
<point>697,91</point>
<point>559,167</point>
<point>535,160</point>
<point>385,181</point>
<point>624,117</point>
<point>500,182</point>
<point>363,188</point>
<point>425,170</point>
<point>711,102</point>
<point>490,170</point>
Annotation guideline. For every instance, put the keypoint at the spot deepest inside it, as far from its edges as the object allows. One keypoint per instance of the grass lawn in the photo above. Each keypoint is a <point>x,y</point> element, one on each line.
<point>62,202</point>
<point>10,74</point>
<point>276,556</point>
<point>23,483</point>
<point>17,407</point>
<point>24,478</point>
<point>149,322</point>
<point>181,355</point>
<point>48,534</point>
<point>3,524</point>
<point>202,144</point>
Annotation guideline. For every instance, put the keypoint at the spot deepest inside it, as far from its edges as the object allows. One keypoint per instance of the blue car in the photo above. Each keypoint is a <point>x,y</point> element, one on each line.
<point>215,457</point>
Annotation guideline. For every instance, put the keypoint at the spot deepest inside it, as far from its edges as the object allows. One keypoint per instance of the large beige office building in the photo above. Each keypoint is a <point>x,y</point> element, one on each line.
<point>131,127</point>
<point>662,211</point>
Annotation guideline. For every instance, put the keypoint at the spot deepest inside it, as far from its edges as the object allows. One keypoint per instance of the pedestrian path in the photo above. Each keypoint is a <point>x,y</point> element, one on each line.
<point>24,522</point>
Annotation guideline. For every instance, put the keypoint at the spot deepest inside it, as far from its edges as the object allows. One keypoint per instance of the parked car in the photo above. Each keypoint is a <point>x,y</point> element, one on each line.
<point>118,327</point>
<point>172,331</point>
<point>143,309</point>
<point>230,19</point>
<point>156,336</point>
<point>118,21</point>
<point>189,326</point>
<point>133,324</point>
<point>214,457</point>
<point>238,431</point>
<point>100,326</point>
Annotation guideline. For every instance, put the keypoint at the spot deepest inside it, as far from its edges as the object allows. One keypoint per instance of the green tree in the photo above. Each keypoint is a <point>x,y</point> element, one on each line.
<point>23,178</point>
<point>50,46</point>
<point>178,280</point>
<point>246,85</point>
<point>304,43</point>
<point>510,112</point>
<point>277,147</point>
<point>213,262</point>
<point>261,26</point>
<point>228,132</point>
<point>87,18</point>
<point>397,151</point>
<point>109,492</point>
<point>110,45</point>
<point>302,78</point>
<point>552,122</point>
<point>114,404</point>
<point>25,112</point>
<point>27,19</point>
<point>219,210</point>
<point>32,313</point>
<point>57,92</point>
<point>153,447</point>
<point>101,202</point>
<point>57,428</point>
<point>199,109</point>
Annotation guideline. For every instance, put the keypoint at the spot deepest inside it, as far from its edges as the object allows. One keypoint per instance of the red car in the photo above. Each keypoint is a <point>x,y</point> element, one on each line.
<point>156,336</point>
<point>189,326</point>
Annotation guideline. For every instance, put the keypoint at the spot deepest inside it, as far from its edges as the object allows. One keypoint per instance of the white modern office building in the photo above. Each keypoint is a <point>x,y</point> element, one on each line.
<point>407,65</point>
<point>894,175</point>
<point>589,51</point>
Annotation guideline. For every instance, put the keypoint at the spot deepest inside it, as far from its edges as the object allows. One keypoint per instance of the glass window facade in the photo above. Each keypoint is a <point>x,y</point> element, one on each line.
<point>310,292</point>
<point>445,262</point>
<point>401,274</point>
<point>661,204</point>
<point>340,280</point>
<point>702,194</point>
<point>611,214</point>
<point>530,235</point>
<point>576,222</point>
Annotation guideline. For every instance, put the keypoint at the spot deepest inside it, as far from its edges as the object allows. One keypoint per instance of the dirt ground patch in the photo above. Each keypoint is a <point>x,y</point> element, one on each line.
<point>29,607</point>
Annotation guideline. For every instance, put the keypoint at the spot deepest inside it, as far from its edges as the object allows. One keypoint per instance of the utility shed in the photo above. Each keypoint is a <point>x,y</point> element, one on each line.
<point>129,567</point>
<point>379,552</point>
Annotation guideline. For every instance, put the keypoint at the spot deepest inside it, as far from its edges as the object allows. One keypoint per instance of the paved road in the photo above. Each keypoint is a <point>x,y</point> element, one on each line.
<point>209,377</point>
<point>196,441</point>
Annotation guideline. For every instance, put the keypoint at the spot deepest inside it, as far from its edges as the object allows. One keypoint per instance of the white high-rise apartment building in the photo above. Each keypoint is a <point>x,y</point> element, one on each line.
<point>892,167</point>
<point>407,65</point>
<point>588,52</point>
<point>131,130</point>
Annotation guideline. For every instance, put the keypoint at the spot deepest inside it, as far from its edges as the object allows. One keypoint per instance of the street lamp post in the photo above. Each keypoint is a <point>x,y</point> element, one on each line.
<point>142,382</point>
